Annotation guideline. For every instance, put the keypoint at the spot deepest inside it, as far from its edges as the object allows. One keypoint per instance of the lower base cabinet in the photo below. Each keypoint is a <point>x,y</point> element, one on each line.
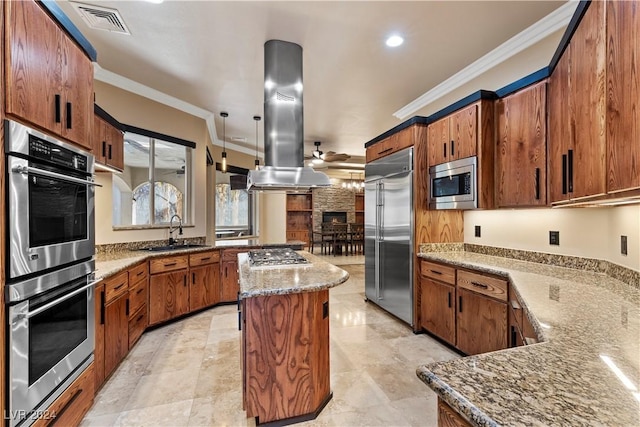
<point>447,417</point>
<point>204,290</point>
<point>481,323</point>
<point>98,353</point>
<point>168,296</point>
<point>73,404</point>
<point>116,333</point>
<point>438,312</point>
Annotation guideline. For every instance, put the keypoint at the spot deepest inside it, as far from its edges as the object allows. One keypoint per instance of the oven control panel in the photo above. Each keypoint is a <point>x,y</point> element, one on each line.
<point>50,152</point>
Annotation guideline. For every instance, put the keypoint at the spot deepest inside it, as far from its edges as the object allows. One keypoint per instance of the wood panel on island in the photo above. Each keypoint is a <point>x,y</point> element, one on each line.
<point>49,79</point>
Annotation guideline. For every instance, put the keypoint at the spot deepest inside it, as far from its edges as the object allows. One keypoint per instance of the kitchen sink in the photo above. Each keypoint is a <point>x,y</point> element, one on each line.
<point>172,247</point>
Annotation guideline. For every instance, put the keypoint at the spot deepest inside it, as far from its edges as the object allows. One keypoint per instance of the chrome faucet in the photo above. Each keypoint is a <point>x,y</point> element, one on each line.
<point>172,229</point>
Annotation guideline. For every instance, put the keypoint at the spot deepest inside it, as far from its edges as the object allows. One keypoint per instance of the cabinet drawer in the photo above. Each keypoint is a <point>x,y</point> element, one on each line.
<point>204,258</point>
<point>137,325</point>
<point>137,297</point>
<point>70,407</point>
<point>232,254</point>
<point>162,265</point>
<point>138,273</point>
<point>115,286</point>
<point>439,272</point>
<point>490,286</point>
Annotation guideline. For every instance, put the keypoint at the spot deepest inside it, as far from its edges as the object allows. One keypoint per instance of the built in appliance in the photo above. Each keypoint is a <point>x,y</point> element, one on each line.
<point>453,185</point>
<point>388,225</point>
<point>50,202</point>
<point>51,324</point>
<point>276,257</point>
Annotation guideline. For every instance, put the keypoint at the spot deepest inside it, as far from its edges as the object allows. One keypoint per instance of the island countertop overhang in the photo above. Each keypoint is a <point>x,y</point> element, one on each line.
<point>282,280</point>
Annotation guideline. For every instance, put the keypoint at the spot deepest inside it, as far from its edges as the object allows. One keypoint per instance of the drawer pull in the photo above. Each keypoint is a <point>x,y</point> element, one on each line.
<point>460,304</point>
<point>118,287</point>
<point>139,291</point>
<point>170,264</point>
<point>140,273</point>
<point>57,106</point>
<point>449,299</point>
<point>480,285</point>
<point>205,259</point>
<point>385,151</point>
<point>140,317</point>
<point>436,271</point>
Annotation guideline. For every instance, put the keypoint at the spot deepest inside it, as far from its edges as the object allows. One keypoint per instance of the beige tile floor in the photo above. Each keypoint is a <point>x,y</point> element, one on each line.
<point>188,373</point>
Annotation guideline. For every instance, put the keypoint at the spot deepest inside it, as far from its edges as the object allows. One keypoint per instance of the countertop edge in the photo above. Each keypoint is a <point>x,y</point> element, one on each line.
<point>454,399</point>
<point>296,290</point>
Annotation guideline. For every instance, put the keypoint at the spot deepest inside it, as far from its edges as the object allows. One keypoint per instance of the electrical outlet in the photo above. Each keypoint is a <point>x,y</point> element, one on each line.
<point>477,231</point>
<point>554,238</point>
<point>623,245</point>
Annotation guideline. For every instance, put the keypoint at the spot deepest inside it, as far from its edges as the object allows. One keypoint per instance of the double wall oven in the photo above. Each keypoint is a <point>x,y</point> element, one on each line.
<point>50,265</point>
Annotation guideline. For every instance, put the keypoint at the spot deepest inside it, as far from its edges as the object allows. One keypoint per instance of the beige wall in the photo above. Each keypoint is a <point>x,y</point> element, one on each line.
<point>586,232</point>
<point>273,222</point>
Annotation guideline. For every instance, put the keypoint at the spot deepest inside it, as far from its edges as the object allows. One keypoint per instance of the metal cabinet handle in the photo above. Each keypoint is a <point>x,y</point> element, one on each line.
<point>385,151</point>
<point>119,286</point>
<point>436,271</point>
<point>570,171</point>
<point>139,291</point>
<point>564,174</point>
<point>537,183</point>
<point>480,285</point>
<point>110,156</point>
<point>452,147</point>
<point>444,152</point>
<point>102,308</point>
<point>193,278</point>
<point>449,299</point>
<point>170,264</point>
<point>57,107</point>
<point>29,170</point>
<point>104,148</point>
<point>460,304</point>
<point>46,307</point>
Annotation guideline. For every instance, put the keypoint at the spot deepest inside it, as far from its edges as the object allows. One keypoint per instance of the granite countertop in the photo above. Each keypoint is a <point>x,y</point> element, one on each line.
<point>108,264</point>
<point>588,322</point>
<point>282,280</point>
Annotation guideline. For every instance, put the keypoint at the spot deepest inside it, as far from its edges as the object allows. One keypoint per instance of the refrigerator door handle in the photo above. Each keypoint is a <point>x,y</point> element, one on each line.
<point>382,211</point>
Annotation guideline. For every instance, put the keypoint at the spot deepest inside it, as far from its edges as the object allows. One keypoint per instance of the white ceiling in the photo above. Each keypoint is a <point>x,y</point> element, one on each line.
<point>210,54</point>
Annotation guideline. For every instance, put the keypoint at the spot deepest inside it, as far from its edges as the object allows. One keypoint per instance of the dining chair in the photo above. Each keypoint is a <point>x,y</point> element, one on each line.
<point>326,237</point>
<point>356,238</point>
<point>340,238</point>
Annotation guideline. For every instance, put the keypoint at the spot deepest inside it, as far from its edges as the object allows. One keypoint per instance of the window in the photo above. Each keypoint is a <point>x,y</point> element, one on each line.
<point>155,183</point>
<point>233,206</point>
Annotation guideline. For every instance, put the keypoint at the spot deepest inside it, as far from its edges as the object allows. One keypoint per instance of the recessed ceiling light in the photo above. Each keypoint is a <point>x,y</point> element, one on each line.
<point>394,41</point>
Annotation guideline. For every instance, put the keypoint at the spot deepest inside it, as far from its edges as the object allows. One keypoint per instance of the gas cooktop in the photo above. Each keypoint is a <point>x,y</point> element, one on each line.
<point>275,258</point>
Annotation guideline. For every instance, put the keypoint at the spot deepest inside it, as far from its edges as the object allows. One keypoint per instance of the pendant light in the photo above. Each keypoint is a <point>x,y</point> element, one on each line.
<point>224,139</point>
<point>257,161</point>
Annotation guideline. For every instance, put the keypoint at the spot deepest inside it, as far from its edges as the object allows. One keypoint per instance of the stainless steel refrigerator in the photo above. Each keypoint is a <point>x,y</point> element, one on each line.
<point>388,218</point>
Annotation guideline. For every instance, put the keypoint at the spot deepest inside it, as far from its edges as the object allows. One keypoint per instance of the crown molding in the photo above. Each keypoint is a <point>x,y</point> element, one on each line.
<point>548,25</point>
<point>132,86</point>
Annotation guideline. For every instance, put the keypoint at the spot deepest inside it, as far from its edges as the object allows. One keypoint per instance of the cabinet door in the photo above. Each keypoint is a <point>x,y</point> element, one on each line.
<point>463,133</point>
<point>204,290</point>
<point>481,323</point>
<point>98,354</point>
<point>115,151</point>
<point>521,148</point>
<point>438,144</point>
<point>33,66</point>
<point>168,296</point>
<point>229,283</point>
<point>99,143</point>
<point>78,94</point>
<point>116,333</point>
<point>437,305</point>
<point>587,107</point>
<point>559,132</point>
<point>623,90</point>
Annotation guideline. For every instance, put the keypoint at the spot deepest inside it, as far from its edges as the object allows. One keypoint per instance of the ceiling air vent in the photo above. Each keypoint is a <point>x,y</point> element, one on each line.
<point>101,18</point>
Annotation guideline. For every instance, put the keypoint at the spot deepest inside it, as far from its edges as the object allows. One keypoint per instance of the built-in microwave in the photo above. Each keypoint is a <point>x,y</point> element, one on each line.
<point>453,185</point>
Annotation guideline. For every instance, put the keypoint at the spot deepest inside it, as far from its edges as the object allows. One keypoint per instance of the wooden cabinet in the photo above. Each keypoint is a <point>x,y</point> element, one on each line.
<point>521,144</point>
<point>116,321</point>
<point>204,289</point>
<point>138,296</point>
<point>108,144</point>
<point>396,142</point>
<point>49,80</point>
<point>229,278</point>
<point>438,309</point>
<point>73,403</point>
<point>168,296</point>
<point>481,323</point>
<point>453,137</point>
<point>447,417</point>
<point>623,96</point>
<point>299,216</point>
<point>359,202</point>
<point>577,116</point>
<point>98,354</point>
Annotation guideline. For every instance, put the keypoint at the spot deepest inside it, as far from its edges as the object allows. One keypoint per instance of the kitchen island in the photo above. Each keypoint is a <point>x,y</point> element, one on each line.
<point>285,338</point>
<point>585,372</point>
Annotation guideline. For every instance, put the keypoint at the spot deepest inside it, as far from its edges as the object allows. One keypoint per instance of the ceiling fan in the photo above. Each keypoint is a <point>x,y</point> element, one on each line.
<point>318,157</point>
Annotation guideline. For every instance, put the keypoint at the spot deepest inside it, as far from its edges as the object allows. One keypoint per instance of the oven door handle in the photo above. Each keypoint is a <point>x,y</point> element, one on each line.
<point>47,306</point>
<point>28,170</point>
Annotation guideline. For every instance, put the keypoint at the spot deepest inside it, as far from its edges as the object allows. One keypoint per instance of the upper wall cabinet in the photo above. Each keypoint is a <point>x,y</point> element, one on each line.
<point>108,144</point>
<point>577,112</point>
<point>453,137</point>
<point>623,91</point>
<point>49,78</point>
<point>396,142</point>
<point>521,139</point>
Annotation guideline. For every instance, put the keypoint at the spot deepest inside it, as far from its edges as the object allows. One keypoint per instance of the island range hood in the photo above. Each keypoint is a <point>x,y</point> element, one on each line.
<point>283,168</point>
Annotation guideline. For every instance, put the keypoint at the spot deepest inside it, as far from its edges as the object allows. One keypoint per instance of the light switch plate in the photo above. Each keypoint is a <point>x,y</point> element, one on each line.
<point>477,231</point>
<point>623,245</point>
<point>554,238</point>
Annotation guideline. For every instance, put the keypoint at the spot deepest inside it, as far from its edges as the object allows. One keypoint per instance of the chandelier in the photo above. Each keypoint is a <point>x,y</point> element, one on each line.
<point>353,184</point>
